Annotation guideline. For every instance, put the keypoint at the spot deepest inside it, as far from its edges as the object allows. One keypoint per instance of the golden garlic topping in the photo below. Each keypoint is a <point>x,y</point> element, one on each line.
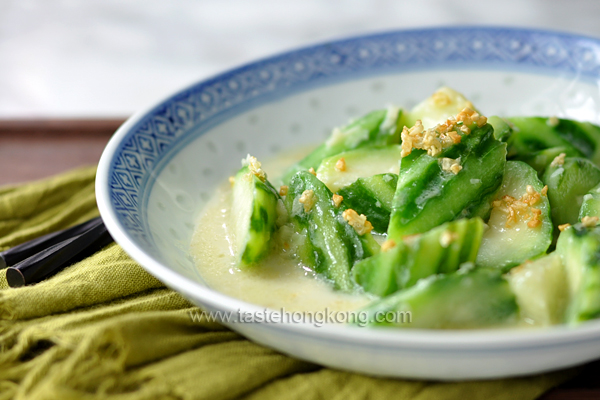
<point>254,167</point>
<point>358,222</point>
<point>308,199</point>
<point>589,222</point>
<point>451,165</point>
<point>516,208</point>
<point>442,136</point>
<point>337,199</point>
<point>388,244</point>
<point>340,165</point>
<point>558,160</point>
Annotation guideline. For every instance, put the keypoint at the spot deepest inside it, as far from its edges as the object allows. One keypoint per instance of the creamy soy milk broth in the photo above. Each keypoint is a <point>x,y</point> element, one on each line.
<point>280,281</point>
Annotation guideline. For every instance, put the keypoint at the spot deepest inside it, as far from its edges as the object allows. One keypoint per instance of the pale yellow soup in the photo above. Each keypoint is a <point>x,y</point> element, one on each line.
<point>281,281</point>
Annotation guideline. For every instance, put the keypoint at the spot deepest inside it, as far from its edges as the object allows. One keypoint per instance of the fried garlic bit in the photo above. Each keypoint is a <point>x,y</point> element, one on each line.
<point>254,167</point>
<point>563,227</point>
<point>469,117</point>
<point>337,199</point>
<point>312,171</point>
<point>552,121</point>
<point>558,160</point>
<point>451,165</point>
<point>418,137</point>
<point>442,136</point>
<point>388,244</point>
<point>307,199</point>
<point>358,222</point>
<point>531,197</point>
<point>283,190</point>
<point>447,238</point>
<point>516,208</point>
<point>589,222</point>
<point>535,220</point>
<point>440,99</point>
<point>340,165</point>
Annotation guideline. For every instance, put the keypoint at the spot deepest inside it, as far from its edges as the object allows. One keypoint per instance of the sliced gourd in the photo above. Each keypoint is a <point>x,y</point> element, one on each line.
<point>533,134</point>
<point>568,180</point>
<point>429,193</point>
<point>377,128</point>
<point>372,197</point>
<point>503,129</point>
<point>579,249</point>
<point>254,211</point>
<point>378,274</point>
<point>541,289</point>
<point>345,168</point>
<point>590,206</point>
<point>474,299</point>
<point>440,106</point>
<point>332,245</point>
<point>402,264</point>
<point>540,160</point>
<point>520,227</point>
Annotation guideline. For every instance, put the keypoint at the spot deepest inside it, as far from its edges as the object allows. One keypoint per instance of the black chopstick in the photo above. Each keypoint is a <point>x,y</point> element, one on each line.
<point>76,245</point>
<point>25,250</point>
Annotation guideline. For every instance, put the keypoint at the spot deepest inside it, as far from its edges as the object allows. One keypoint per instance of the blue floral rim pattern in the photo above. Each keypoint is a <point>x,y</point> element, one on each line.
<point>196,109</point>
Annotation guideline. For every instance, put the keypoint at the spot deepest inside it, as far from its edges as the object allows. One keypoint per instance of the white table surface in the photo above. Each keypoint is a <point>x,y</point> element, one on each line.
<point>109,58</point>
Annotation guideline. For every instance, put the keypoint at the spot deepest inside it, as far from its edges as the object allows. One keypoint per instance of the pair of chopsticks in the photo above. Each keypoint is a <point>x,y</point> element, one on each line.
<point>40,258</point>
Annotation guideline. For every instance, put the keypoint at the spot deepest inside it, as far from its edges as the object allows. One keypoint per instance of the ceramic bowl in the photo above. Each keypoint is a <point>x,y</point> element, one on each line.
<point>162,165</point>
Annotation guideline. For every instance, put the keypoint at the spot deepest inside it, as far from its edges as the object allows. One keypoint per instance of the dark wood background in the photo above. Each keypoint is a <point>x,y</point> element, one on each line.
<point>35,149</point>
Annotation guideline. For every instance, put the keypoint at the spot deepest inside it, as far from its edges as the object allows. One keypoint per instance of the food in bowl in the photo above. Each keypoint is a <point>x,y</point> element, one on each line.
<point>460,220</point>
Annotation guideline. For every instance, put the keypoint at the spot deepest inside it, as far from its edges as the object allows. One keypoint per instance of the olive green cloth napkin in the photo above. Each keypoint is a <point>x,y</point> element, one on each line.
<point>104,328</point>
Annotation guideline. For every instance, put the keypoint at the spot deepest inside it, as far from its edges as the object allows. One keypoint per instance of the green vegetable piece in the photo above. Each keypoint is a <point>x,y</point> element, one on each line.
<point>255,211</point>
<point>332,246</point>
<point>378,274</point>
<point>438,107</point>
<point>567,183</point>
<point>579,249</point>
<point>474,299</point>
<point>359,163</point>
<point>590,206</point>
<point>377,128</point>
<point>541,159</point>
<point>372,197</point>
<point>509,242</point>
<point>440,250</point>
<point>427,195</point>
<point>541,289</point>
<point>502,128</point>
<point>533,134</point>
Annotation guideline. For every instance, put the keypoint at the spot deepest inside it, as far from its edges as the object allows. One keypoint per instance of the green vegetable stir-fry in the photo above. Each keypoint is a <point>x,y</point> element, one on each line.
<point>464,221</point>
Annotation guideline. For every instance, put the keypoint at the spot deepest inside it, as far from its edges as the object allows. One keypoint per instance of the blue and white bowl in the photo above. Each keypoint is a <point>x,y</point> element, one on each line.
<point>162,165</point>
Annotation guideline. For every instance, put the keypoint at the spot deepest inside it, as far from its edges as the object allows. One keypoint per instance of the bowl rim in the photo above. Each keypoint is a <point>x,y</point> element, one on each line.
<point>495,339</point>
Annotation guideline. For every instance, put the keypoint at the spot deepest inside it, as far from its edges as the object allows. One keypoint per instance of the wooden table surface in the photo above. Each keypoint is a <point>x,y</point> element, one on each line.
<point>34,149</point>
